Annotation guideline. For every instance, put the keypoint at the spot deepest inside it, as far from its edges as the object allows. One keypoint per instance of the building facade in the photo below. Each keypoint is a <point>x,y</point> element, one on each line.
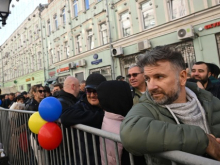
<point>81,37</point>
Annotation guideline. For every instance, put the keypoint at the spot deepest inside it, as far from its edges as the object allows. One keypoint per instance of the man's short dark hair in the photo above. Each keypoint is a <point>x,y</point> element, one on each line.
<point>214,69</point>
<point>202,62</point>
<point>12,94</point>
<point>47,89</point>
<point>162,53</point>
<point>58,85</point>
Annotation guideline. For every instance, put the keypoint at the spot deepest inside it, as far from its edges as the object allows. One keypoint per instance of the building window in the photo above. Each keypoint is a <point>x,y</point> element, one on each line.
<point>86,4</point>
<point>147,14</point>
<point>55,22</point>
<point>66,49</point>
<point>217,1</point>
<point>64,16</point>
<point>103,31</point>
<point>125,24</point>
<point>90,39</point>
<point>49,27</point>
<point>177,8</point>
<point>75,8</point>
<point>78,44</point>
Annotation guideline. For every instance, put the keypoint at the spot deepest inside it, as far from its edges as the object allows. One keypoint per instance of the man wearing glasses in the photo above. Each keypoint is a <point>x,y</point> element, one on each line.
<point>86,111</point>
<point>137,81</point>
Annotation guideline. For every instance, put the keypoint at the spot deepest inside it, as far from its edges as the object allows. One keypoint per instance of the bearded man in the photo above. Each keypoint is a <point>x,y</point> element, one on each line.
<point>201,72</point>
<point>172,114</point>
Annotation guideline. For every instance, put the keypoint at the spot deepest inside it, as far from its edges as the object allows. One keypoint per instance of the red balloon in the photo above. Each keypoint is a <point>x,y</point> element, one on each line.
<point>50,136</point>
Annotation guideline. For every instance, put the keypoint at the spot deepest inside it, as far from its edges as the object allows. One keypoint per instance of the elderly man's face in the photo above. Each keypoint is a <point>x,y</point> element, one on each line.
<point>135,77</point>
<point>163,83</point>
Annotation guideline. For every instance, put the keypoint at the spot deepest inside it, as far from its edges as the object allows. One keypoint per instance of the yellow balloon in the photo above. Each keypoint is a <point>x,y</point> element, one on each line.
<point>35,122</point>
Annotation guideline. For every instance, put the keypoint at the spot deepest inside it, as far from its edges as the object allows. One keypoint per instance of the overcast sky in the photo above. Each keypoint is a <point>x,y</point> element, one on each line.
<point>20,11</point>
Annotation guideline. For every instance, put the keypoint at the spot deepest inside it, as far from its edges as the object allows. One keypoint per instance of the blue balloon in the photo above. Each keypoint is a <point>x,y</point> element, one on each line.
<point>50,109</point>
<point>0,102</point>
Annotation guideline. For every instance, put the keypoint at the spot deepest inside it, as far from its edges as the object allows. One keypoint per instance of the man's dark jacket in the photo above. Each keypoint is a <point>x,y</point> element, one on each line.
<point>84,113</point>
<point>6,103</point>
<point>214,88</point>
<point>66,99</point>
<point>32,105</point>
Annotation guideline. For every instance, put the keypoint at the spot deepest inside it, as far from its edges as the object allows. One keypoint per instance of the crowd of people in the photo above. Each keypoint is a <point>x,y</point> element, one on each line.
<point>164,107</point>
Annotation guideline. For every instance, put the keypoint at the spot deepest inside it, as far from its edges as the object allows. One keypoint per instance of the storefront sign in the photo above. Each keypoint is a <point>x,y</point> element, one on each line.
<point>96,62</point>
<point>51,74</point>
<point>63,70</point>
<point>212,25</point>
<point>28,79</point>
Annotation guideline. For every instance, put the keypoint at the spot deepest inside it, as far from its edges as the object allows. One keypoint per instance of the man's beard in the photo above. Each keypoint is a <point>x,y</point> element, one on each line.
<point>204,81</point>
<point>168,98</point>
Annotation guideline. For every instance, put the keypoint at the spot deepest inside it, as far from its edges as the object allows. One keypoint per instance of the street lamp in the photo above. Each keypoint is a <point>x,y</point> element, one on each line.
<point>4,10</point>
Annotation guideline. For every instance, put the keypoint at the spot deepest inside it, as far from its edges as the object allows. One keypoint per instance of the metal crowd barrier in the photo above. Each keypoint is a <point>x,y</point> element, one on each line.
<point>22,148</point>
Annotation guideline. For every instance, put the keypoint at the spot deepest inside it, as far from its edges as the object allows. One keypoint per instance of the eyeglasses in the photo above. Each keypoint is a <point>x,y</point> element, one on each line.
<point>40,91</point>
<point>133,75</point>
<point>89,91</point>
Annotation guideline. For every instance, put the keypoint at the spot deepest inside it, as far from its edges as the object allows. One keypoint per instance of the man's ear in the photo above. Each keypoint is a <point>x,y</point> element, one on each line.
<point>183,77</point>
<point>209,74</point>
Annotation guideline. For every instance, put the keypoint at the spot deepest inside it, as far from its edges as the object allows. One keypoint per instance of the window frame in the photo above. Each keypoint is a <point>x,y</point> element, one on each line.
<point>101,33</point>
<point>86,5</point>
<point>75,4</point>
<point>147,10</point>
<point>63,16</point>
<point>90,39</point>
<point>170,11</point>
<point>122,21</point>
<point>55,22</point>
<point>78,44</point>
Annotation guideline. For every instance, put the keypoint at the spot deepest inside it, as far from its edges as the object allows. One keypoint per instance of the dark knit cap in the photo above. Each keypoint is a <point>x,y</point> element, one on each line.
<point>115,97</point>
<point>93,80</point>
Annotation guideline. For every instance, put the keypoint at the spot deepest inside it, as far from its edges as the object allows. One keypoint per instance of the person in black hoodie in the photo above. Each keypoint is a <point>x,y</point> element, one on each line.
<point>116,99</point>
<point>86,111</point>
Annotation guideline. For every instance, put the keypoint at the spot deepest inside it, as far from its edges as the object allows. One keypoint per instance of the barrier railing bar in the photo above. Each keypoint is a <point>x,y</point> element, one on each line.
<point>95,149</point>
<point>131,159</point>
<point>64,148</point>
<point>87,150</point>
<point>186,158</point>
<point>80,149</point>
<point>116,153</point>
<point>104,148</point>
<point>68,145</point>
<point>60,153</point>
<point>175,156</point>
<point>73,143</point>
